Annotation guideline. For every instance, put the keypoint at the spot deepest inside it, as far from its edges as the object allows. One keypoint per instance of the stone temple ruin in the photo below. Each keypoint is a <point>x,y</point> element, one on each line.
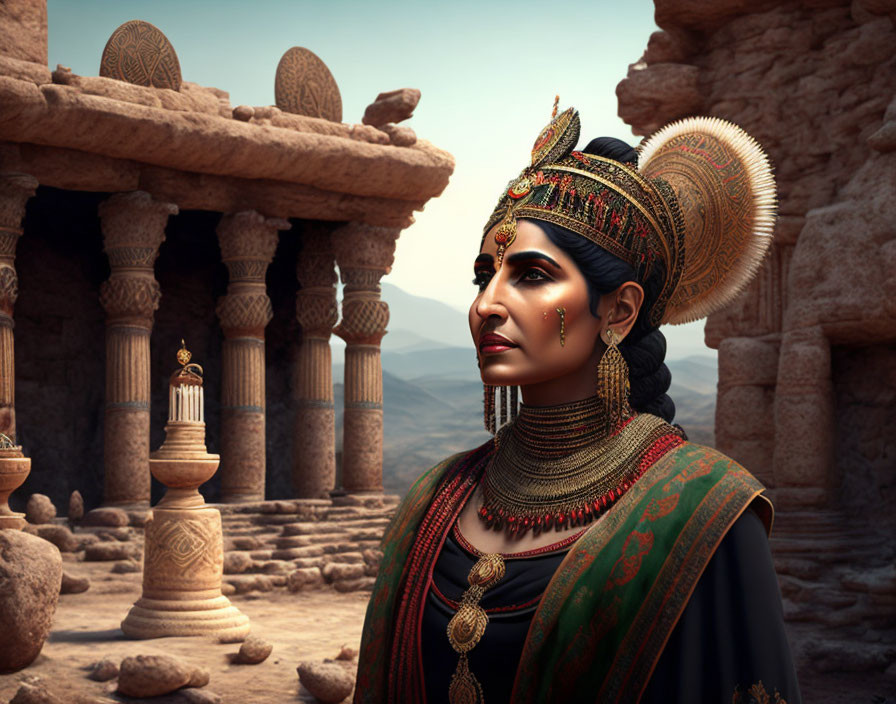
<point>137,208</point>
<point>807,360</point>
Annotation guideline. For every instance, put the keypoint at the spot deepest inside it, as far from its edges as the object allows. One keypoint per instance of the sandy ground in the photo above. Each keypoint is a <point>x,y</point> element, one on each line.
<point>303,626</point>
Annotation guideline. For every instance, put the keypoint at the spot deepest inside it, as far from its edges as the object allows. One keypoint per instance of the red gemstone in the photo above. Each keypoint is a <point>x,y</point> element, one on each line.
<point>526,523</point>
<point>501,512</point>
<point>511,519</point>
<point>483,512</point>
<point>548,520</point>
<point>581,515</point>
<point>603,501</point>
<point>500,237</point>
<point>587,509</point>
<point>561,518</point>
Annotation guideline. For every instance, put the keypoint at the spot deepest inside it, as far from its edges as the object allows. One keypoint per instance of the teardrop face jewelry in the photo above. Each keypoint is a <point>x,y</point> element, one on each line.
<point>562,312</point>
<point>467,626</point>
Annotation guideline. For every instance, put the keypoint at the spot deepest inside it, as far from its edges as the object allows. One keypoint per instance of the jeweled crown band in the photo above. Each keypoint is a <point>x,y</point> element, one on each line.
<point>699,210</point>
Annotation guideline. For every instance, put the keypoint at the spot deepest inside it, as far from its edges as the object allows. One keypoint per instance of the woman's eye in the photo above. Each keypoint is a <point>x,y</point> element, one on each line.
<point>481,279</point>
<point>534,275</point>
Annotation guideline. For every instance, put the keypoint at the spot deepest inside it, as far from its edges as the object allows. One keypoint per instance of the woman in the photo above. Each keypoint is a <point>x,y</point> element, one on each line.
<point>590,553</point>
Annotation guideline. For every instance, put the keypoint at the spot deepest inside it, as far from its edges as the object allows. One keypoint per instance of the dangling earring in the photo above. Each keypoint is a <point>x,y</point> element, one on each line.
<point>562,312</point>
<point>488,407</point>
<point>612,383</point>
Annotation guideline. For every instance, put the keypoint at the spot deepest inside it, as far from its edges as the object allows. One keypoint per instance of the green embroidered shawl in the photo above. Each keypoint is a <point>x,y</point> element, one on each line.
<point>612,604</point>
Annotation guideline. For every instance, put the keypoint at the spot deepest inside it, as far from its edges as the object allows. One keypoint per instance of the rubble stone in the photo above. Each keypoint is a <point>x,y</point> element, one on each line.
<point>39,509</point>
<point>329,682</point>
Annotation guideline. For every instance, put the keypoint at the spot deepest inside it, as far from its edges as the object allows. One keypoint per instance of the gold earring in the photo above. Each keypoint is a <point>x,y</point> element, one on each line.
<point>613,386</point>
<point>562,312</point>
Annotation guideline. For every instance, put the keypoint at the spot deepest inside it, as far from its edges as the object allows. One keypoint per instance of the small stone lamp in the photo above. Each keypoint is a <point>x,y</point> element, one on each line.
<point>14,468</point>
<point>184,555</point>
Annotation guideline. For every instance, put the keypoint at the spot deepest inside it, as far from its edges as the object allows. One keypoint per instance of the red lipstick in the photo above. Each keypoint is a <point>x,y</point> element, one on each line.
<point>492,343</point>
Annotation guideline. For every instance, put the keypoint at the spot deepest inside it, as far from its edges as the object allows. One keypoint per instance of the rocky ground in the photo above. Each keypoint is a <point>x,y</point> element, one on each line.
<point>305,626</point>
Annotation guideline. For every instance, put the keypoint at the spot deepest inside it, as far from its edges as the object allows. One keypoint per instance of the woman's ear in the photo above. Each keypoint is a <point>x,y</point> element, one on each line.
<point>625,304</point>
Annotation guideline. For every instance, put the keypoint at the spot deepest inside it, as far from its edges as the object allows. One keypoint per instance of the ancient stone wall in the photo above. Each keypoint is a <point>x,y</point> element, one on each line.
<point>60,348</point>
<point>806,357</point>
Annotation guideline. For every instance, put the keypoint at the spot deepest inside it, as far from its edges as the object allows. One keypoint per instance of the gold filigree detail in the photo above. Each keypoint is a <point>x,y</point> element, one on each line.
<point>757,694</point>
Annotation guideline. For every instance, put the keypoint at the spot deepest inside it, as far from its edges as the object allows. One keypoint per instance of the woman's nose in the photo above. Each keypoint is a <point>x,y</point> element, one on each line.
<point>490,300</point>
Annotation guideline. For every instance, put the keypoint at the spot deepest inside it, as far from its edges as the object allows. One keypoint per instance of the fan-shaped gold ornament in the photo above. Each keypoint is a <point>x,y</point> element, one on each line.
<point>726,191</point>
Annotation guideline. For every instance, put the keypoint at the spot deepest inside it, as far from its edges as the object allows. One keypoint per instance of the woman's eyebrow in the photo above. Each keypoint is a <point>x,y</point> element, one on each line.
<point>529,255</point>
<point>483,260</point>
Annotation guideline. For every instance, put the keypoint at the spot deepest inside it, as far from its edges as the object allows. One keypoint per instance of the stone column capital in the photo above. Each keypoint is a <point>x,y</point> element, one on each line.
<point>133,227</point>
<point>245,313</point>
<point>359,247</point>
<point>249,236</point>
<point>15,190</point>
<point>316,307</point>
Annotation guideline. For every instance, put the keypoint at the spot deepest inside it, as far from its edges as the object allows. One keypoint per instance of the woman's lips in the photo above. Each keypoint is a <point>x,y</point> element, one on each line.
<point>492,344</point>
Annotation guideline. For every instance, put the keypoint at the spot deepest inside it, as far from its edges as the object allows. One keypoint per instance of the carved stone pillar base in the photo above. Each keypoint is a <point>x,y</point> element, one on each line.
<point>182,571</point>
<point>183,560</point>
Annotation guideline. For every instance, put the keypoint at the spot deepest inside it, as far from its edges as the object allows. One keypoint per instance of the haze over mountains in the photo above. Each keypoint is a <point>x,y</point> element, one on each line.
<point>432,394</point>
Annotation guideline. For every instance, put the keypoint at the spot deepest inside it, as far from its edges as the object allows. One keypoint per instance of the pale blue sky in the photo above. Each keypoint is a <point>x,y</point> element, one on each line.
<point>488,72</point>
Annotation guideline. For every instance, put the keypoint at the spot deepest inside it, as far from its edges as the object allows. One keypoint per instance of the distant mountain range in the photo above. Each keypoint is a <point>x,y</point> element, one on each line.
<point>432,394</point>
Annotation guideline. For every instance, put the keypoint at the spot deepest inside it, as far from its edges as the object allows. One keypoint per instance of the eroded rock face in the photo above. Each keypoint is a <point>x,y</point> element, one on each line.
<point>30,579</point>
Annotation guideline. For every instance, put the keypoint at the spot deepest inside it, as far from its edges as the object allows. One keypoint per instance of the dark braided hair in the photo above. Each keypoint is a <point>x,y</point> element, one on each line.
<point>644,348</point>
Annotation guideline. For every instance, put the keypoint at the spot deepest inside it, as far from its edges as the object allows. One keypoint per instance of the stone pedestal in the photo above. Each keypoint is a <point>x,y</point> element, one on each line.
<point>364,254</point>
<point>314,456</point>
<point>248,242</point>
<point>14,469</point>
<point>15,190</point>
<point>183,561</point>
<point>133,228</point>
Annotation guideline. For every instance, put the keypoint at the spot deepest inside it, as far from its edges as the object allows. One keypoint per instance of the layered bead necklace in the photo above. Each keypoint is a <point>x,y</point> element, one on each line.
<point>559,466</point>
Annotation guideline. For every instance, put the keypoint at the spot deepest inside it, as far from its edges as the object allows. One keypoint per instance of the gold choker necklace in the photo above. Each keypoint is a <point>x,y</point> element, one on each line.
<point>559,467</point>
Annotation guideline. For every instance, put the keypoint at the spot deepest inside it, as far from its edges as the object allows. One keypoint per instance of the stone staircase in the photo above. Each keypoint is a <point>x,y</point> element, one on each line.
<point>838,582</point>
<point>304,543</point>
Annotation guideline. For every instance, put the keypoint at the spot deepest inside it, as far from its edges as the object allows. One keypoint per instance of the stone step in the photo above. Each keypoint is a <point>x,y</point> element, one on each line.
<point>311,528</point>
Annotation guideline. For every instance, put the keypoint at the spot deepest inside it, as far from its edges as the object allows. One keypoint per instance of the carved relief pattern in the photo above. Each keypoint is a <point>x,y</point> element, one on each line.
<point>130,296</point>
<point>138,53</point>
<point>249,235</point>
<point>361,246</point>
<point>364,320</point>
<point>134,220</point>
<point>247,269</point>
<point>15,190</point>
<point>9,289</point>
<point>132,256</point>
<point>244,311</point>
<point>305,86</point>
<point>181,546</point>
<point>317,312</point>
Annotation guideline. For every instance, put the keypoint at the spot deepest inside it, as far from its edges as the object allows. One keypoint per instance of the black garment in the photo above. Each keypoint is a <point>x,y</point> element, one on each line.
<point>730,635</point>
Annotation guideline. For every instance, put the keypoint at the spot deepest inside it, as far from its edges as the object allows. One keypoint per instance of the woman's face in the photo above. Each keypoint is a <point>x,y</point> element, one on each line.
<point>519,303</point>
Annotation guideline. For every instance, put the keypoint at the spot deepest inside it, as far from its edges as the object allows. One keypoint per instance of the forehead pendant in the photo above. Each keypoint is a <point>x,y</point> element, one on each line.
<point>506,232</point>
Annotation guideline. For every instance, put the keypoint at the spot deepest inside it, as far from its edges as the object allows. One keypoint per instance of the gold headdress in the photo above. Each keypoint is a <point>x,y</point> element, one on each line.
<point>700,207</point>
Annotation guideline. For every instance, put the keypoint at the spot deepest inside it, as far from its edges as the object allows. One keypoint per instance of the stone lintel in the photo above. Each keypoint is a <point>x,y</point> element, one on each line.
<point>55,115</point>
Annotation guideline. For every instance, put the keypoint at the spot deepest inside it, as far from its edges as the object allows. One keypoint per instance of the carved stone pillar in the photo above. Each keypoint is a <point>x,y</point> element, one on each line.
<point>364,254</point>
<point>15,190</point>
<point>133,228</point>
<point>314,456</point>
<point>804,417</point>
<point>745,419</point>
<point>248,241</point>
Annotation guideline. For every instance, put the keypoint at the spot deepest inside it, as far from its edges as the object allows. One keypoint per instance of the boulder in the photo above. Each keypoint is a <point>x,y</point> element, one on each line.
<point>329,682</point>
<point>338,572</point>
<point>304,578</point>
<point>37,693</point>
<point>400,136</point>
<point>73,585</point>
<point>153,675</point>
<point>31,575</point>
<point>75,507</point>
<point>197,696</point>
<point>60,536</point>
<point>109,552</point>
<point>104,670</point>
<point>106,516</point>
<point>39,509</point>
<point>236,562</point>
<point>253,651</point>
<point>392,106</point>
